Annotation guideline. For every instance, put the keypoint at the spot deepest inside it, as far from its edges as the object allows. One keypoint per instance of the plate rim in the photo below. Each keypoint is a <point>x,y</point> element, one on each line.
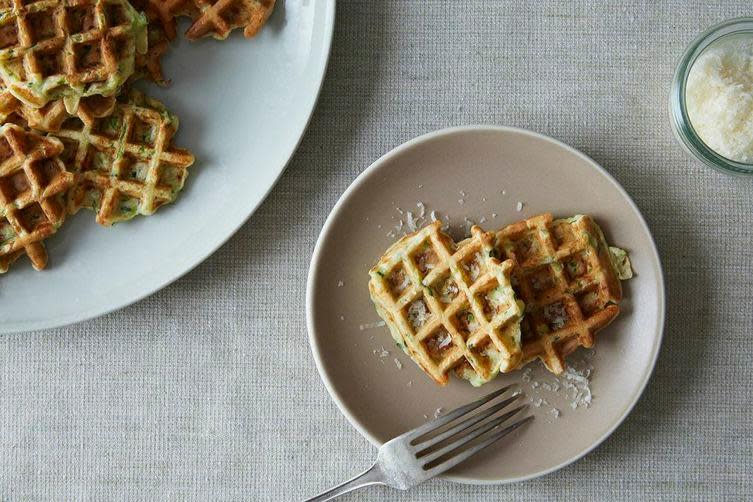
<point>75,318</point>
<point>375,166</point>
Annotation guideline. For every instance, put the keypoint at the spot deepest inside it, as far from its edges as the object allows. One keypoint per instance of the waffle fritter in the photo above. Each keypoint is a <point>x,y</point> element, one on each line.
<point>50,117</point>
<point>52,49</point>
<point>564,274</point>
<point>215,18</point>
<point>449,307</point>
<point>125,163</point>
<point>149,65</point>
<point>456,306</point>
<point>33,182</point>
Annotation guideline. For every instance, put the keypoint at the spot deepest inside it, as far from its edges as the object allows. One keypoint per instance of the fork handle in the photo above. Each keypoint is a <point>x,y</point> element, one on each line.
<point>372,476</point>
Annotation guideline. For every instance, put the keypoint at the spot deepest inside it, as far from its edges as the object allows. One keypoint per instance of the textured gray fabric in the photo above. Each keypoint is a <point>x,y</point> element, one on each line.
<point>207,390</point>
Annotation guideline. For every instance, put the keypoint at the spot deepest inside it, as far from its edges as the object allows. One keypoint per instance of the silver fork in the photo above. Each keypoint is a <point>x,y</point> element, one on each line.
<point>425,452</point>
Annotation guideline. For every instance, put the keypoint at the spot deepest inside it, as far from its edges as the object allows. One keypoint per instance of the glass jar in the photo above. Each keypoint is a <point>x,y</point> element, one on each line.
<point>681,124</point>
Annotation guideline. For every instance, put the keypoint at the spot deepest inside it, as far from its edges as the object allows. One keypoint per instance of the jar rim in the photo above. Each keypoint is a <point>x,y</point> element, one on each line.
<point>682,126</point>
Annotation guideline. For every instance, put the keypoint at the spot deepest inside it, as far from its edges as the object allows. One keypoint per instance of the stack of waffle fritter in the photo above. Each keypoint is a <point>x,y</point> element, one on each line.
<point>74,133</point>
<point>536,289</point>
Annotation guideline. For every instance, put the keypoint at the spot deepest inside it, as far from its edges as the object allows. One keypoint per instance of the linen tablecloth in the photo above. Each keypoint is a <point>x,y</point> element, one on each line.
<point>207,390</point>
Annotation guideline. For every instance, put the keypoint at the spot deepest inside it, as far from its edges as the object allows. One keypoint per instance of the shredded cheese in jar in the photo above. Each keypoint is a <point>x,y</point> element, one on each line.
<point>719,98</point>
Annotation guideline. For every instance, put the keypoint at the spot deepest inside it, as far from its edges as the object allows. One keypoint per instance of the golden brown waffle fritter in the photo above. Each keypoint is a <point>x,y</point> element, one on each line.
<point>444,301</point>
<point>449,307</point>
<point>565,276</point>
<point>52,49</point>
<point>121,152</point>
<point>215,18</point>
<point>125,163</point>
<point>149,65</point>
<point>33,182</point>
<point>50,117</point>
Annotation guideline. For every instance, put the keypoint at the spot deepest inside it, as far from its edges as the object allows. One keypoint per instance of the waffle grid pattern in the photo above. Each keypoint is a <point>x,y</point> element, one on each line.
<point>449,307</point>
<point>124,162</point>
<point>149,64</point>
<point>50,117</point>
<point>63,48</point>
<point>215,18</point>
<point>564,275</point>
<point>32,186</point>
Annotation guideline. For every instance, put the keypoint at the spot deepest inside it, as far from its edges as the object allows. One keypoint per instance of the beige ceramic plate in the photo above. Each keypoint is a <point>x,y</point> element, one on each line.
<point>462,173</point>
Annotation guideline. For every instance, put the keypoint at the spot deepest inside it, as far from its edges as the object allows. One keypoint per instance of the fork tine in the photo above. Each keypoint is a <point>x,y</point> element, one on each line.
<point>418,433</point>
<point>478,431</point>
<point>466,424</point>
<point>448,461</point>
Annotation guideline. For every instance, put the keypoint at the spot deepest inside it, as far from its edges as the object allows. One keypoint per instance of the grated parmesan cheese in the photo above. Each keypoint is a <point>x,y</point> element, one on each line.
<point>404,284</point>
<point>526,375</point>
<point>445,341</point>
<point>411,222</point>
<point>418,314</point>
<point>422,208</point>
<point>719,98</point>
<point>371,325</point>
<point>572,388</point>
<point>556,315</point>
